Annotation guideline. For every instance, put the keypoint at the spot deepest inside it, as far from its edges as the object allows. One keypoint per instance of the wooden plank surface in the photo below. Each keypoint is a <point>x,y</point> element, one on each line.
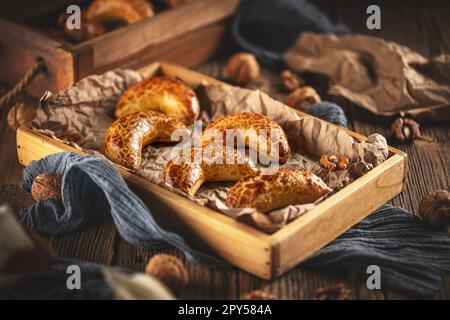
<point>422,26</point>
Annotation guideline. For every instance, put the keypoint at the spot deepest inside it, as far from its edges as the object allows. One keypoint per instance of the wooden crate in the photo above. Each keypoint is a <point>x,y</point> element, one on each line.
<point>264,255</point>
<point>186,35</point>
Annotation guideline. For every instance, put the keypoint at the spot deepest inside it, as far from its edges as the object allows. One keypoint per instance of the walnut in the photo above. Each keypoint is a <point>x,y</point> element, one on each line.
<point>435,209</point>
<point>332,162</point>
<point>335,291</point>
<point>303,98</point>
<point>359,169</point>
<point>343,163</point>
<point>21,114</point>
<point>242,68</point>
<point>169,270</point>
<point>333,158</point>
<point>405,129</point>
<point>47,185</point>
<point>291,80</point>
<point>258,295</point>
<point>326,163</point>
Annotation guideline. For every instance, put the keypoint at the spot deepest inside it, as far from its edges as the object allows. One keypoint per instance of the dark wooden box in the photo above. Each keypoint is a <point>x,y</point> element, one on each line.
<point>187,35</point>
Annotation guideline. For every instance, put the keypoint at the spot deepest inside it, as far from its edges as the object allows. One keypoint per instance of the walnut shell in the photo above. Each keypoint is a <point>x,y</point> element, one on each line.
<point>47,185</point>
<point>303,98</point>
<point>21,114</point>
<point>405,129</point>
<point>169,270</point>
<point>259,295</point>
<point>242,68</point>
<point>435,209</point>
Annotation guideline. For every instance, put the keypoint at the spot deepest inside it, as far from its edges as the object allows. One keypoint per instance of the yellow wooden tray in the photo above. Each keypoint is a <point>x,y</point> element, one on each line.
<point>264,255</point>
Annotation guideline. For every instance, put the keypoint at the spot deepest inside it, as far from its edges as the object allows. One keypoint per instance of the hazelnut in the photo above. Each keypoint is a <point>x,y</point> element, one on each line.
<point>169,270</point>
<point>21,114</point>
<point>291,80</point>
<point>303,98</point>
<point>435,209</point>
<point>258,295</point>
<point>47,185</point>
<point>335,291</point>
<point>405,129</point>
<point>242,68</point>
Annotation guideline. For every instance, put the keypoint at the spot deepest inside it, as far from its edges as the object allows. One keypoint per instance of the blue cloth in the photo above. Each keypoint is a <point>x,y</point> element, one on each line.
<point>268,28</point>
<point>91,184</point>
<point>329,111</point>
<point>412,256</point>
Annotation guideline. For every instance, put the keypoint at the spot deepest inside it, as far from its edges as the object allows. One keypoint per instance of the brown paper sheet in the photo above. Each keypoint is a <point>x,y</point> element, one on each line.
<point>383,77</point>
<point>88,108</point>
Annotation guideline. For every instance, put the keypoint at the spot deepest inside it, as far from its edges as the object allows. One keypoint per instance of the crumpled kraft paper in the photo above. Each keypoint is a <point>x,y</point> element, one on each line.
<point>384,77</point>
<point>88,108</point>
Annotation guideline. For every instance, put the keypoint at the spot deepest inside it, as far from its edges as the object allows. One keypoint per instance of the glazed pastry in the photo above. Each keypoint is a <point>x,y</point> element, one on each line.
<point>269,192</point>
<point>168,95</point>
<point>127,136</point>
<point>191,169</point>
<point>249,125</point>
<point>114,12</point>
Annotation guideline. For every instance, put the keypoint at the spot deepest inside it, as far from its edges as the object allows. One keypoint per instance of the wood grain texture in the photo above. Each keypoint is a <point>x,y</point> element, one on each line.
<point>422,26</point>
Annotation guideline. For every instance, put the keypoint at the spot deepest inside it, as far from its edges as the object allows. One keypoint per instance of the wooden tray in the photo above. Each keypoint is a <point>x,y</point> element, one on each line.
<point>266,256</point>
<point>186,35</point>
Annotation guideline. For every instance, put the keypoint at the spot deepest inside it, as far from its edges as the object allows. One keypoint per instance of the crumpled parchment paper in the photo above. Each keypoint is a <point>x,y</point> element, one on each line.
<point>88,108</point>
<point>384,77</point>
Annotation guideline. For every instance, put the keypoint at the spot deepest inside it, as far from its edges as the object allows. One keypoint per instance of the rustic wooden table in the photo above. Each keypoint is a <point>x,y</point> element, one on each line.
<point>423,27</point>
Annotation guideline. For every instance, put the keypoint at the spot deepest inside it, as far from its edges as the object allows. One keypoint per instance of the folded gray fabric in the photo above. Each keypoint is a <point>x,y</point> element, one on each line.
<point>412,256</point>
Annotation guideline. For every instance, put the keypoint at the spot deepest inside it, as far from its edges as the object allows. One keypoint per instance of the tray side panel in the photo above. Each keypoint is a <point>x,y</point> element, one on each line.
<point>187,50</point>
<point>309,233</point>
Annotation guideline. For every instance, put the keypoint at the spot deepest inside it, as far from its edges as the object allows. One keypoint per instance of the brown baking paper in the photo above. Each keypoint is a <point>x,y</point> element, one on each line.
<point>383,77</point>
<point>88,108</point>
